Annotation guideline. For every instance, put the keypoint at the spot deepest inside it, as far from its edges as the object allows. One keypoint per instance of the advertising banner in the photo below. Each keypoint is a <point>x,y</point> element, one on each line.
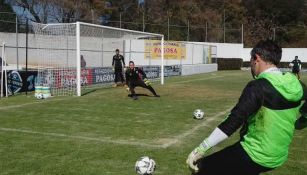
<point>172,50</point>
<point>103,75</point>
<point>65,78</point>
<point>20,81</point>
<point>174,70</point>
<point>152,72</point>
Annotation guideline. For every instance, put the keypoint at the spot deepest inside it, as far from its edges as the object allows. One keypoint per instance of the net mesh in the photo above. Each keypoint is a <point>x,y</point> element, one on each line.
<point>57,57</point>
<point>57,52</point>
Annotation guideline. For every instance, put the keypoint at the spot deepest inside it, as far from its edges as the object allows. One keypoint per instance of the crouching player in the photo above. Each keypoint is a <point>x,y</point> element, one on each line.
<point>136,77</point>
<point>267,111</point>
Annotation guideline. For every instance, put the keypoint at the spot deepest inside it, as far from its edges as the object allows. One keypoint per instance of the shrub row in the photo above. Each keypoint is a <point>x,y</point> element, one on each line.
<point>281,64</point>
<point>229,63</point>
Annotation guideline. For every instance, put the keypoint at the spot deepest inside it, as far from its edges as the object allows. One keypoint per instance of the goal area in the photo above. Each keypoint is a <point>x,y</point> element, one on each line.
<point>73,57</point>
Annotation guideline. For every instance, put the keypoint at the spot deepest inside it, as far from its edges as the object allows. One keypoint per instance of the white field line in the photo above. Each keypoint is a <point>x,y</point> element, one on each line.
<point>175,140</point>
<point>26,104</point>
<point>179,138</point>
<point>62,99</point>
<point>114,141</point>
<point>298,161</point>
<point>298,136</point>
<point>44,101</point>
<point>297,149</point>
<point>186,81</point>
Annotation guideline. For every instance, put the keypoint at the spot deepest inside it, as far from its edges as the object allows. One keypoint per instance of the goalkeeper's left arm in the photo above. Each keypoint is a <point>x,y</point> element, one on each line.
<point>145,79</point>
<point>301,122</point>
<point>249,102</point>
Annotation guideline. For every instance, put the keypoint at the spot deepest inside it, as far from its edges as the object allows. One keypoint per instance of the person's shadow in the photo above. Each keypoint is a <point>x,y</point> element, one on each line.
<point>129,95</point>
<point>301,123</point>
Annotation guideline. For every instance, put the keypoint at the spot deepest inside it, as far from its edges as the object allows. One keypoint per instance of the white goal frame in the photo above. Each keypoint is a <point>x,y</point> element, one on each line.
<point>118,29</point>
<point>3,74</point>
<point>78,46</point>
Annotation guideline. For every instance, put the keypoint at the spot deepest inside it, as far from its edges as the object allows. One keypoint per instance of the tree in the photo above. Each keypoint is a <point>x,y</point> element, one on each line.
<point>7,17</point>
<point>32,8</point>
<point>44,11</point>
<point>198,20</point>
<point>272,19</point>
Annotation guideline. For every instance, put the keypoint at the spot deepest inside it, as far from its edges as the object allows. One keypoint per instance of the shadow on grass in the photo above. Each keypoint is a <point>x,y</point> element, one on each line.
<point>301,123</point>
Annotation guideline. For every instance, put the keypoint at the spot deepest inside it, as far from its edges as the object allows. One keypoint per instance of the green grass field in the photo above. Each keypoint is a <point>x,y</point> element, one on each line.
<point>104,132</point>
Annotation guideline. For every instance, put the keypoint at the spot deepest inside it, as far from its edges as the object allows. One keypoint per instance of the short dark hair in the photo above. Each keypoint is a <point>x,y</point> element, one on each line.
<point>117,50</point>
<point>268,50</point>
<point>131,62</point>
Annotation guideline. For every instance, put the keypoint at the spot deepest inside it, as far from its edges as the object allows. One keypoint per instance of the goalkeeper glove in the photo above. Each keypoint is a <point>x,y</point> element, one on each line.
<point>147,82</point>
<point>113,69</point>
<point>197,154</point>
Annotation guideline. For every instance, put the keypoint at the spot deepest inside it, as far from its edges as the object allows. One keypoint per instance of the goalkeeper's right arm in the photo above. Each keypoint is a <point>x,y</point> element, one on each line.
<point>199,152</point>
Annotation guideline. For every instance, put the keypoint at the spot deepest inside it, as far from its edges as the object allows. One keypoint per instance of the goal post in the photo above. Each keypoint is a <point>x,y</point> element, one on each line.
<point>78,59</point>
<point>3,75</point>
<point>162,60</point>
<point>73,57</point>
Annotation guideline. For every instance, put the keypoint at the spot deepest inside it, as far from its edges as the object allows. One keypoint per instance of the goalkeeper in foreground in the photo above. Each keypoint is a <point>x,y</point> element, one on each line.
<point>136,77</point>
<point>267,111</point>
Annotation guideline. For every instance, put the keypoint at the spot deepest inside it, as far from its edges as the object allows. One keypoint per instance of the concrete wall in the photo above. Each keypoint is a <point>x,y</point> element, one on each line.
<point>98,52</point>
<point>199,68</point>
<point>288,54</point>
<point>228,50</point>
<point>196,53</point>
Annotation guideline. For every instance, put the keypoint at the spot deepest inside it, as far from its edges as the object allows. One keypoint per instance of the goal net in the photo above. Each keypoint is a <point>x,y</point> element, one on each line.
<point>77,56</point>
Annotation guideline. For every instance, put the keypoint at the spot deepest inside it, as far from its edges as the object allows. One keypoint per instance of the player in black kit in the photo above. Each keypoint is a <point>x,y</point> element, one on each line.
<point>296,65</point>
<point>136,77</point>
<point>118,63</point>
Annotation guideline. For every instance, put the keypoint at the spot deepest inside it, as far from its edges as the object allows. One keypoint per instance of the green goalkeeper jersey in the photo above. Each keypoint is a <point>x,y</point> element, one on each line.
<point>270,129</point>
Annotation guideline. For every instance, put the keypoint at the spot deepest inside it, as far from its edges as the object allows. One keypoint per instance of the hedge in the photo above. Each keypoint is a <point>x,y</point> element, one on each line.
<point>229,63</point>
<point>281,64</point>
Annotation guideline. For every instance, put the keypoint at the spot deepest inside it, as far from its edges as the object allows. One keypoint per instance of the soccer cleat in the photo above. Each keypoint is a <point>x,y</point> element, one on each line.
<point>134,97</point>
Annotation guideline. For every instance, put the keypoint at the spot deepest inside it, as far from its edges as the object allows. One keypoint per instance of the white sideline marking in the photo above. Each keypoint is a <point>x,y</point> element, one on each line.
<point>298,149</point>
<point>42,101</point>
<point>26,104</point>
<point>298,161</point>
<point>179,138</point>
<point>175,140</point>
<point>298,136</point>
<point>186,81</point>
<point>121,142</point>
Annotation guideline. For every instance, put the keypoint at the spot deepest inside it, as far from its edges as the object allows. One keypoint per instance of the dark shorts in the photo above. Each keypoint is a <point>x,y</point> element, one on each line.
<point>295,71</point>
<point>232,160</point>
<point>119,75</point>
<point>133,84</point>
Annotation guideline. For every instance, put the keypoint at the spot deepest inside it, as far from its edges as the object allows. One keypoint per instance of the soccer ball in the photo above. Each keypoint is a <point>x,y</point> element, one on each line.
<point>145,166</point>
<point>40,96</point>
<point>198,114</point>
